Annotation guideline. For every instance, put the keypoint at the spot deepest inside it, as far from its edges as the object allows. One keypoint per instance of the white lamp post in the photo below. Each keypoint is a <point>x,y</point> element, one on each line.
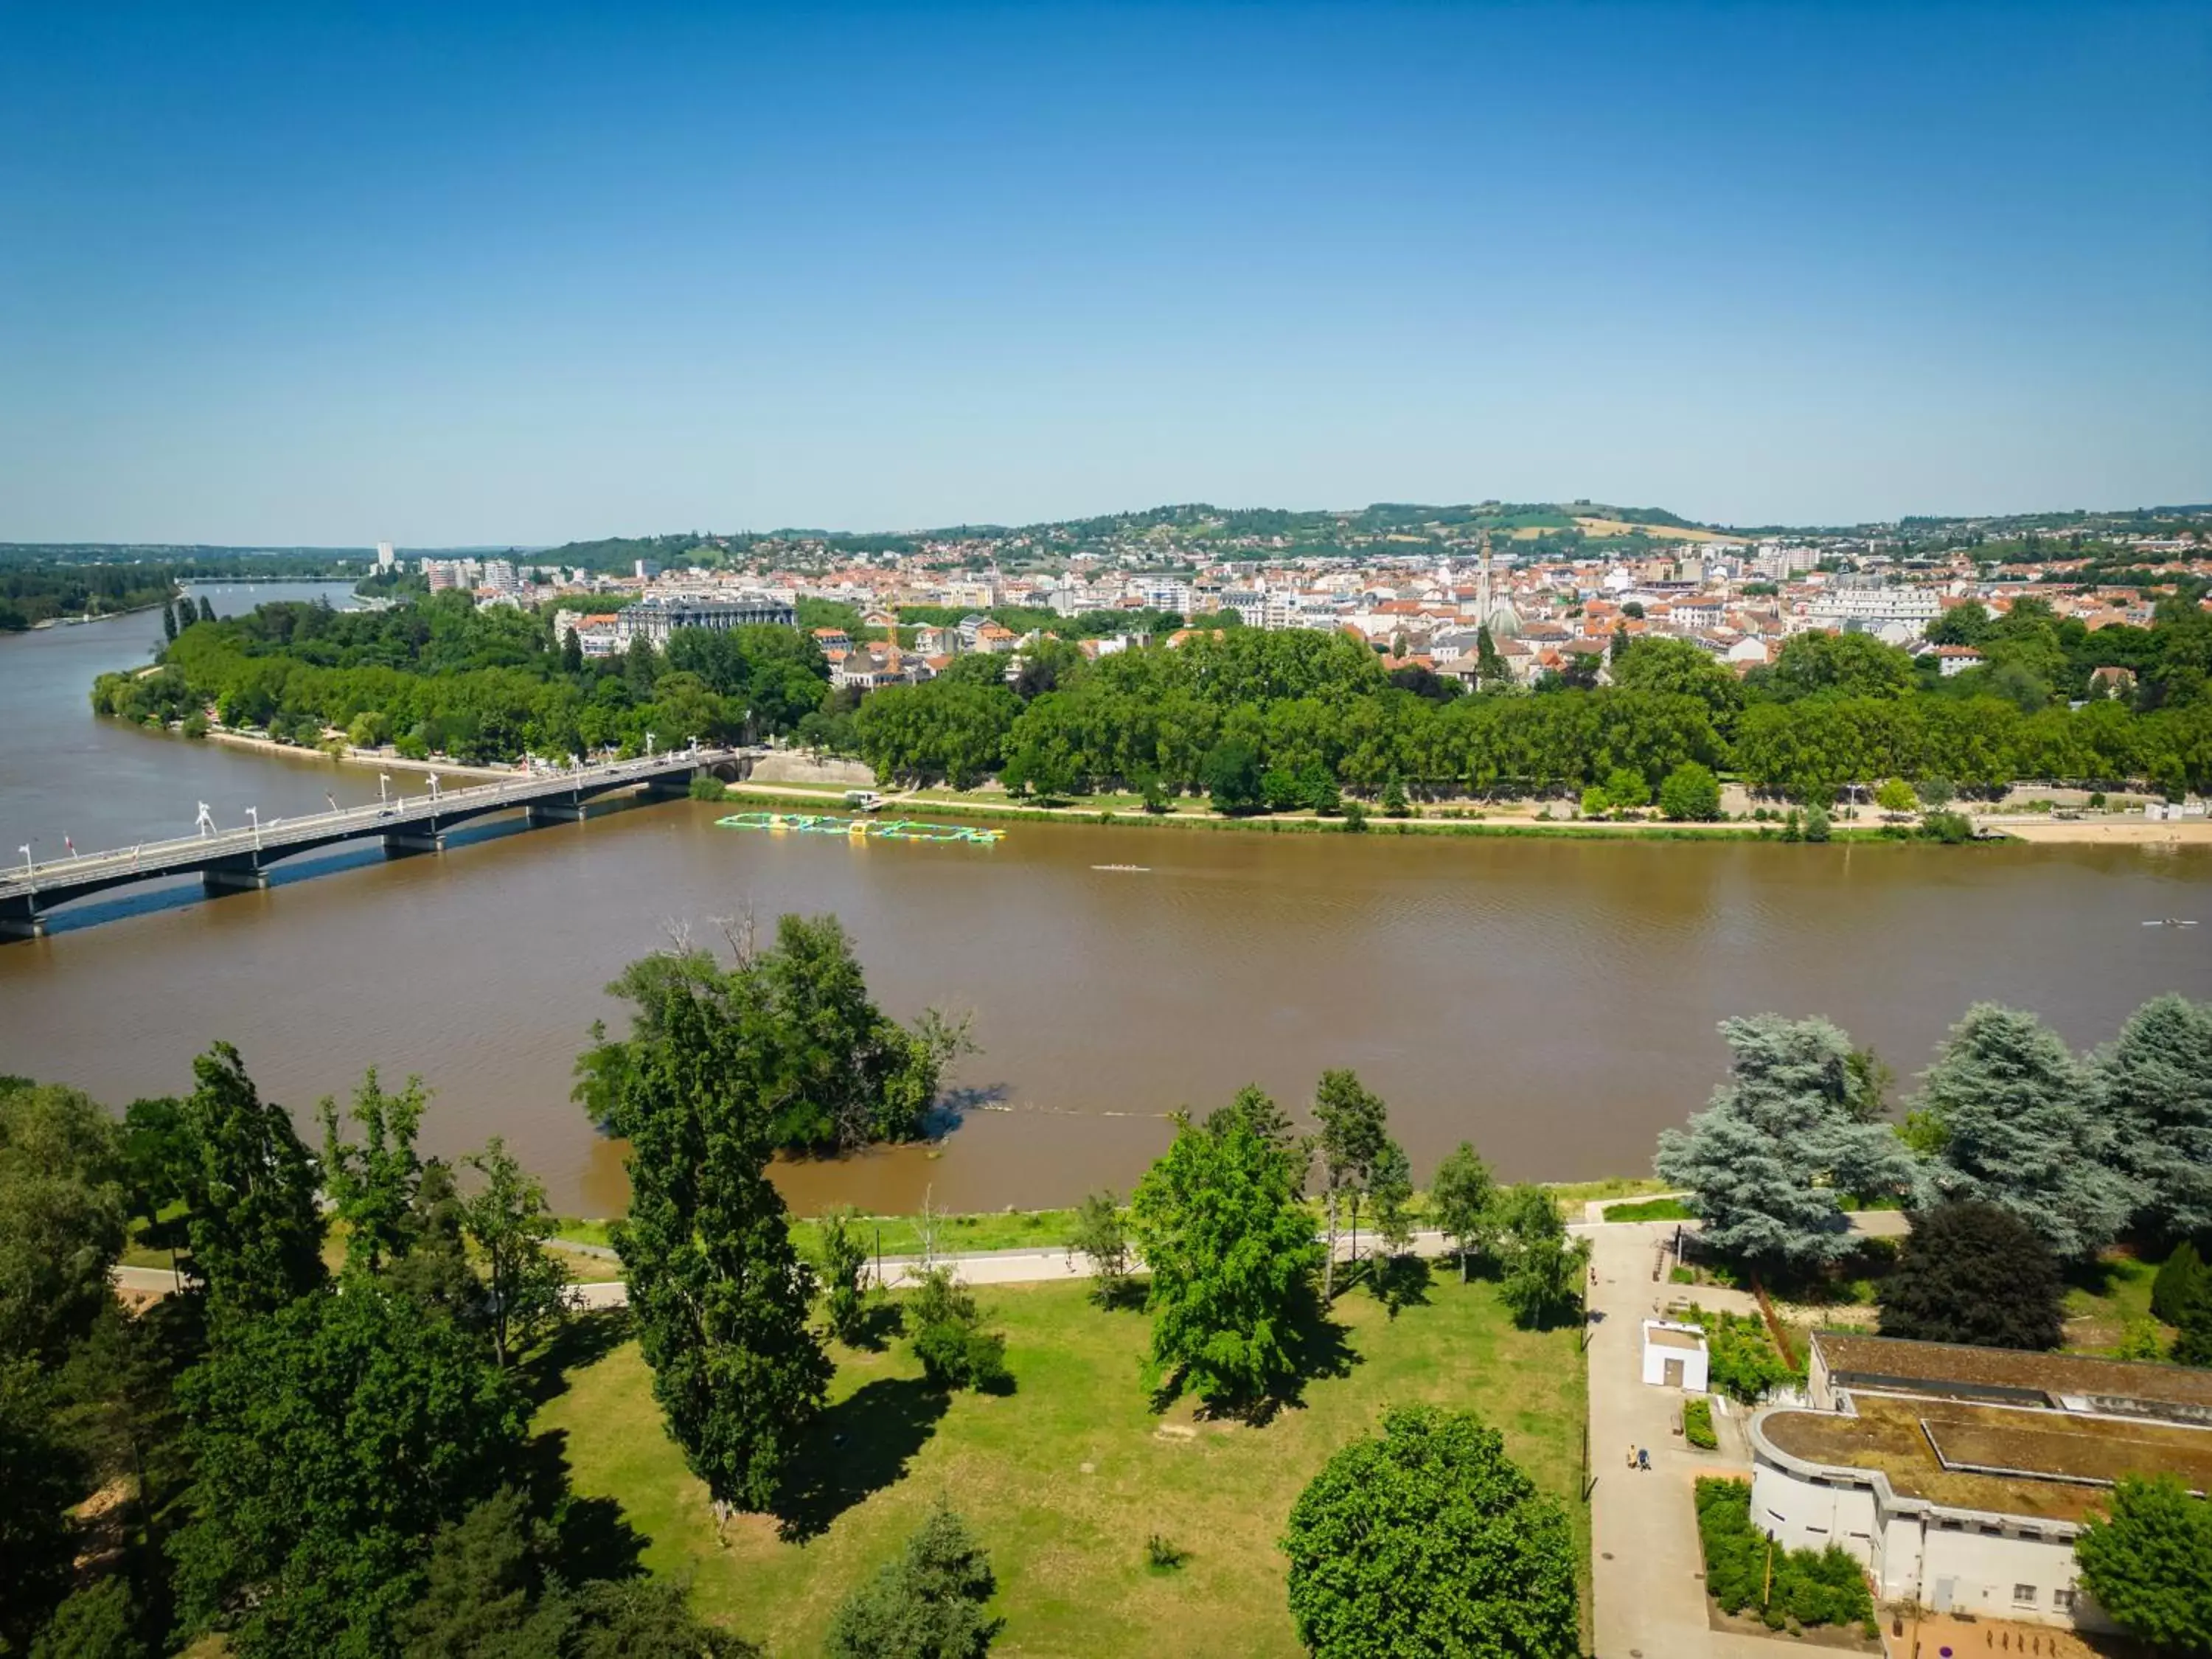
<point>30,871</point>
<point>254,813</point>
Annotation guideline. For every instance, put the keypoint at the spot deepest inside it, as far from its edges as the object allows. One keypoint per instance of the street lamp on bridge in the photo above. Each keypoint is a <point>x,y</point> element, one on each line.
<point>255,814</point>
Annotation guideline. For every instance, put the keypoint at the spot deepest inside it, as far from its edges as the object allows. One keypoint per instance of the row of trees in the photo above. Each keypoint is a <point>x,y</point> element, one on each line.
<point>1835,711</point>
<point>309,1457</point>
<point>2081,1148</point>
<point>31,594</point>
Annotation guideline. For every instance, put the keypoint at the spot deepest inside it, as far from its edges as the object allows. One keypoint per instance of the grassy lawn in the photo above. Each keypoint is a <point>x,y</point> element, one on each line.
<point>2104,1299</point>
<point>1064,1480</point>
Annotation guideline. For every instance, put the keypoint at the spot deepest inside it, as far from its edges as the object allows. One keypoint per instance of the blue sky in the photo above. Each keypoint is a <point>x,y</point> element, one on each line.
<point>461,274</point>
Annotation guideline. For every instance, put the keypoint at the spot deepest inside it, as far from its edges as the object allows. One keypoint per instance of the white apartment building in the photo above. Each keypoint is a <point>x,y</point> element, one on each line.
<point>1960,1477</point>
<point>1867,608</point>
<point>656,618</point>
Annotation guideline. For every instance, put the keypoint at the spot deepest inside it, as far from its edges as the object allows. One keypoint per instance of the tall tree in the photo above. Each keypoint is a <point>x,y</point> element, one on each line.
<point>1101,1233</point>
<point>1353,1131</point>
<point>1768,1159</point>
<point>1975,1273</point>
<point>255,1226</point>
<point>2013,1116</point>
<point>927,1604</point>
<point>2156,1088</point>
<point>372,1183</point>
<point>1430,1540</point>
<point>62,1213</point>
<point>1461,1196</point>
<point>507,1218</point>
<point>844,1265</point>
<point>1233,1259</point>
<point>207,610</point>
<point>719,1295</point>
<point>42,1475</point>
<point>1544,1269</point>
<point>2149,1563</point>
<point>168,624</point>
<point>330,1440</point>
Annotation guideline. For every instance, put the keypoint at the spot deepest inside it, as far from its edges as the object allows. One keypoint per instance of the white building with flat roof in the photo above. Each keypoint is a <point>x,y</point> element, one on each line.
<point>1960,1477</point>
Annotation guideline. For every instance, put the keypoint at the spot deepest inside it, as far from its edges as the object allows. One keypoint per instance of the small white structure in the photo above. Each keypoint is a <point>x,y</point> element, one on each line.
<point>1673,1355</point>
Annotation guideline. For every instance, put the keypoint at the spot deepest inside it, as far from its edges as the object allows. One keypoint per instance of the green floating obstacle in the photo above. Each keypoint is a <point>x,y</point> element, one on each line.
<point>811,823</point>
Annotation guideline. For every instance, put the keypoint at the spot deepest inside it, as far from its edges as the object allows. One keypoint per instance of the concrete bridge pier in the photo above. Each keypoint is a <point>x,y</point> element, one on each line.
<point>553,811</point>
<point>21,918</point>
<point>415,840</point>
<point>235,876</point>
<point>666,789</point>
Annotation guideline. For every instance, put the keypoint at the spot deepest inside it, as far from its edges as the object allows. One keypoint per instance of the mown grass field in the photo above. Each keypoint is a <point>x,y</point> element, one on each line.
<point>1065,1479</point>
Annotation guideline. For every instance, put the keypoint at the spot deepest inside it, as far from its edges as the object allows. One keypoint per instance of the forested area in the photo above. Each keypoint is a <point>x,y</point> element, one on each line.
<point>31,594</point>
<point>1259,718</point>
<point>321,1443</point>
<point>1316,709</point>
<point>478,685</point>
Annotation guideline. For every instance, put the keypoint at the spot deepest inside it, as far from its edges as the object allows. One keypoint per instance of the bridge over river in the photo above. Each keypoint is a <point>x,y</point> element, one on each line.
<point>231,859</point>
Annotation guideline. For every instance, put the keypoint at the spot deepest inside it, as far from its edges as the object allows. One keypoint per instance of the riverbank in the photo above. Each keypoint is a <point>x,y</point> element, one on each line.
<point>349,755</point>
<point>1502,826</point>
<point>2111,832</point>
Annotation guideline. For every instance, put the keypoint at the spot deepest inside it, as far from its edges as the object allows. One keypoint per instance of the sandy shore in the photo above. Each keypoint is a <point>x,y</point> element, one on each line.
<point>2116,832</point>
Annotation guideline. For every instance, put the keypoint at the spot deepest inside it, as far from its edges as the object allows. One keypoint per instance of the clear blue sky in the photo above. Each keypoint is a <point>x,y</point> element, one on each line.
<point>462,273</point>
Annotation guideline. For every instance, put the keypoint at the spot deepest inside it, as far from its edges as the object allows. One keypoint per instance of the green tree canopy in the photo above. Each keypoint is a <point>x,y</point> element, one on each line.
<point>1974,1273</point>
<point>2149,1563</point>
<point>830,1067</point>
<point>927,1604</point>
<point>2155,1084</point>
<point>1233,1260</point>
<point>719,1295</point>
<point>249,1193</point>
<point>1767,1160</point>
<point>62,1213</point>
<point>1428,1540</point>
<point>1690,793</point>
<point>330,1440</point>
<point>1461,1199</point>
<point>2012,1115</point>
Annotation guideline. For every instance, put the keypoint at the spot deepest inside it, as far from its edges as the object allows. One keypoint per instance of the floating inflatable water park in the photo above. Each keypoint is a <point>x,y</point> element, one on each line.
<point>811,823</point>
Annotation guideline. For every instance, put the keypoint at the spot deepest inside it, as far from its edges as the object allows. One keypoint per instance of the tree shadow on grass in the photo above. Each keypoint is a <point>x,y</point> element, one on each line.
<point>1317,1346</point>
<point>858,1447</point>
<point>1399,1282</point>
<point>590,1536</point>
<point>581,1339</point>
<point>880,1320</point>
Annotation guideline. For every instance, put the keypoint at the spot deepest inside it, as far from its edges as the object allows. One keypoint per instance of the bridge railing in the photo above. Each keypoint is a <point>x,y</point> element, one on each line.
<point>400,808</point>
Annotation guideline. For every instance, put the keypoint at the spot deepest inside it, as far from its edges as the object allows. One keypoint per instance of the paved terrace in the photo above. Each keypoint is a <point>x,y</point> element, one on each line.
<point>228,859</point>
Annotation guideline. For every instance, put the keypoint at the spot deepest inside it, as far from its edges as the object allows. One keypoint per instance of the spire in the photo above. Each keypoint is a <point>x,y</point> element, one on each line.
<point>1482,586</point>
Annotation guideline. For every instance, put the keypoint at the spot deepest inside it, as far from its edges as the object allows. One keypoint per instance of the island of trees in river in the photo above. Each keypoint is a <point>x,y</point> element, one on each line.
<point>1281,718</point>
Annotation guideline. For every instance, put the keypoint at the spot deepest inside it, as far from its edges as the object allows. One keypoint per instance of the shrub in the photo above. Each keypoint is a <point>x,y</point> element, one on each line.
<point>2177,1281</point>
<point>1355,818</point>
<point>1950,827</point>
<point>1690,792</point>
<point>1395,804</point>
<point>196,724</point>
<point>1698,1425</point>
<point>1816,823</point>
<point>1743,1361</point>
<point>1809,1587</point>
<point>705,785</point>
<point>1164,1554</point>
<point>949,1338</point>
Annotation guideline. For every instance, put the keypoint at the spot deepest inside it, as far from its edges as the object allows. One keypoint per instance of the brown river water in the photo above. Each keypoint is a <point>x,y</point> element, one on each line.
<point>1553,1001</point>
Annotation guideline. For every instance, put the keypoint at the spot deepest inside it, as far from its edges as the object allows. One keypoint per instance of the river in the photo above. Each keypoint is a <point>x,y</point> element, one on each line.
<point>1553,1001</point>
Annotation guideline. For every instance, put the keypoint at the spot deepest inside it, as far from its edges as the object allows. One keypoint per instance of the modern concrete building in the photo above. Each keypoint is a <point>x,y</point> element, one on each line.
<point>1960,1476</point>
